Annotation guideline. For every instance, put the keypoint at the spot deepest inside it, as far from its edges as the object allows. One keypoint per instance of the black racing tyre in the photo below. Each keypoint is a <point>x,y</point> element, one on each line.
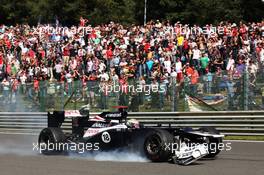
<point>213,142</point>
<point>50,139</point>
<point>157,145</point>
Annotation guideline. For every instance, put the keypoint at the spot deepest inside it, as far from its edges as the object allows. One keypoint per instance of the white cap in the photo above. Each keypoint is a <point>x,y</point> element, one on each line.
<point>234,25</point>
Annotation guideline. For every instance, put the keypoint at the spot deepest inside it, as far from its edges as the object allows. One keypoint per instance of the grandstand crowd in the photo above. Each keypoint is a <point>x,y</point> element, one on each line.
<point>32,60</point>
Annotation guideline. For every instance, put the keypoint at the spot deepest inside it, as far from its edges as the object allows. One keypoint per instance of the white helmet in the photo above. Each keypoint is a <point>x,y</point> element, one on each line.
<point>133,123</point>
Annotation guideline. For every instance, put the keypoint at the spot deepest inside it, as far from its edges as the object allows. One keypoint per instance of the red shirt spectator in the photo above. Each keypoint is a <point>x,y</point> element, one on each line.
<point>185,45</point>
<point>83,22</point>
<point>109,54</point>
<point>92,35</point>
<point>123,85</point>
<point>189,71</point>
<point>66,51</point>
<point>1,58</point>
<point>234,32</point>
<point>243,30</point>
<point>31,53</point>
<point>36,84</point>
<point>146,47</point>
<point>194,77</point>
<point>8,69</point>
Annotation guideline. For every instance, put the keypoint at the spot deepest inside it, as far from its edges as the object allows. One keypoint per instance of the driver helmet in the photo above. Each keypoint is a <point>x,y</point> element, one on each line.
<point>133,123</point>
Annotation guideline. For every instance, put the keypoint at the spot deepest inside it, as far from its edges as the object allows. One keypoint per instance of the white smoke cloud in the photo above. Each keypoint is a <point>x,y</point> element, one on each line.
<point>116,155</point>
<point>23,146</point>
<point>120,157</point>
<point>19,145</point>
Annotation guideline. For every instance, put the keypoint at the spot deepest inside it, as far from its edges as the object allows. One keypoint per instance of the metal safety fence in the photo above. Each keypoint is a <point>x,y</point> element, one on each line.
<point>229,123</point>
<point>212,91</point>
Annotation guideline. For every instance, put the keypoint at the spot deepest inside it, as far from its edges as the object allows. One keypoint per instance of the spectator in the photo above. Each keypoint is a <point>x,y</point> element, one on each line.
<point>114,53</point>
<point>6,89</point>
<point>196,56</point>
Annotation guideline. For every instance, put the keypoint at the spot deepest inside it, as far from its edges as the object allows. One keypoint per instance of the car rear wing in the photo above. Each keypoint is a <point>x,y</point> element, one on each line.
<point>56,118</point>
<point>78,121</point>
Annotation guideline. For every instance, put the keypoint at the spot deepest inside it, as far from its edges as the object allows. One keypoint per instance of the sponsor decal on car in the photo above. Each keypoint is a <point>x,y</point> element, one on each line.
<point>96,118</point>
<point>93,131</point>
<point>72,113</point>
<point>113,115</point>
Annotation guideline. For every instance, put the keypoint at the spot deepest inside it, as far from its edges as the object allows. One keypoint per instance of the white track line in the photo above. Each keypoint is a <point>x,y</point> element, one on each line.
<point>17,133</point>
<point>245,141</point>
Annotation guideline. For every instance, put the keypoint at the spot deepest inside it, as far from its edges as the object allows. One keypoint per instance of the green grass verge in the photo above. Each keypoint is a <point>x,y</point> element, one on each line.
<point>257,138</point>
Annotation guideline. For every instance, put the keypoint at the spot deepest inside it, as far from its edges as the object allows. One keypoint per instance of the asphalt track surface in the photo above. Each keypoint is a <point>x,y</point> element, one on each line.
<point>17,158</point>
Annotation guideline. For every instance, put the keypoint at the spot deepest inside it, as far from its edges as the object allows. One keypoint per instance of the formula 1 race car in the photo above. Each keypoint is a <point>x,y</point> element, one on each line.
<point>112,130</point>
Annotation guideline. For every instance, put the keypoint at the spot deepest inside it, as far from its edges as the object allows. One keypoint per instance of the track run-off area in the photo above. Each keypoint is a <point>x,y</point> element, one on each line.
<point>18,158</point>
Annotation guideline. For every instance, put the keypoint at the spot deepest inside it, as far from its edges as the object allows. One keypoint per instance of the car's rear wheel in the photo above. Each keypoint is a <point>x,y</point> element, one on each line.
<point>157,145</point>
<point>51,141</point>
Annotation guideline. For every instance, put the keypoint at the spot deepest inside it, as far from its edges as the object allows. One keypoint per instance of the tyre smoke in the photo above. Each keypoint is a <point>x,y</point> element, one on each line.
<point>116,155</point>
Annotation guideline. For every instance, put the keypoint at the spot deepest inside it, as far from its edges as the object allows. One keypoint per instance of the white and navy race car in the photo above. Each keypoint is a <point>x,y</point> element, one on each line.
<point>112,130</point>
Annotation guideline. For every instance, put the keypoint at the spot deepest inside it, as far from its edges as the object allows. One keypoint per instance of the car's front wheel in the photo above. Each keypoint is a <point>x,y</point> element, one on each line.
<point>213,145</point>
